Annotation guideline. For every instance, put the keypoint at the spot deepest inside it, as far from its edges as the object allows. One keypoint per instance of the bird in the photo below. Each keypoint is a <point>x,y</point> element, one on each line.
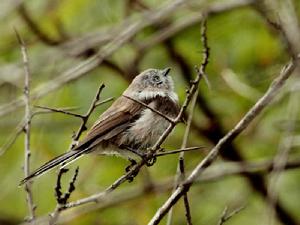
<point>127,128</point>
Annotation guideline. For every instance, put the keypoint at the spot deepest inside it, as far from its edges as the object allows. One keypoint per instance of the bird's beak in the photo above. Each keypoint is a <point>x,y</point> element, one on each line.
<point>166,71</point>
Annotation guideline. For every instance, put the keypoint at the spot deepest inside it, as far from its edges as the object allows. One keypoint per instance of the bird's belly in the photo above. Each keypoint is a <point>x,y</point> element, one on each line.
<point>145,131</point>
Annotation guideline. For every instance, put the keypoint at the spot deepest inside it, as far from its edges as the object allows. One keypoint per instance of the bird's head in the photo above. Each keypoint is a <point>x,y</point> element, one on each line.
<point>151,83</point>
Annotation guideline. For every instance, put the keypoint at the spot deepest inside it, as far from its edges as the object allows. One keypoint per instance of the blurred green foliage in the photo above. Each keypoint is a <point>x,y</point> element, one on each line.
<point>239,40</point>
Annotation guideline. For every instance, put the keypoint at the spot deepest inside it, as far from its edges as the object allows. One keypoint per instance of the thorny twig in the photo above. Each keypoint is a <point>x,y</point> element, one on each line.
<point>60,198</point>
<point>27,130</point>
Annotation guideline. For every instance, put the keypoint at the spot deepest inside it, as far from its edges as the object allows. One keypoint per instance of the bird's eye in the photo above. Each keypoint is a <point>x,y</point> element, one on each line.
<point>156,78</point>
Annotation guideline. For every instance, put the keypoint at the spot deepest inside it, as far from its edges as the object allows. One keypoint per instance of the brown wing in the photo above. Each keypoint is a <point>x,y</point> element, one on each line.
<point>112,122</point>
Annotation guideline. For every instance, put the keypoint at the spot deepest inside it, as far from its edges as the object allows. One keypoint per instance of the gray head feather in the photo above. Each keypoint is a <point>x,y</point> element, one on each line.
<point>151,83</point>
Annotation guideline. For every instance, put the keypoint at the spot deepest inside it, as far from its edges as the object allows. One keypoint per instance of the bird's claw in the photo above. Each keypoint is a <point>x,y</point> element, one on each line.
<point>132,163</point>
<point>132,176</point>
<point>150,160</point>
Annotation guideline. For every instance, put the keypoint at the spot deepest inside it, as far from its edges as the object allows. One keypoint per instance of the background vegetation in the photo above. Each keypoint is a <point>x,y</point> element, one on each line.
<point>247,53</point>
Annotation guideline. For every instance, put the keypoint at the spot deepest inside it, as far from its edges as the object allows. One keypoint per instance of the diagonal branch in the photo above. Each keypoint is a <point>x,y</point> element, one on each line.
<point>152,109</point>
<point>262,103</point>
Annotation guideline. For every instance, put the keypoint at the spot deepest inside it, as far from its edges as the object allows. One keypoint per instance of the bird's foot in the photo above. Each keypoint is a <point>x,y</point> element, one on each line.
<point>132,163</point>
<point>128,168</point>
<point>150,159</point>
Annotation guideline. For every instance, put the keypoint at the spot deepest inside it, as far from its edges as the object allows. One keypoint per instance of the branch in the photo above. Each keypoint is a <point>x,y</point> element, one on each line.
<point>27,130</point>
<point>214,173</point>
<point>152,109</point>
<point>264,101</point>
<point>86,116</point>
<point>59,111</point>
<point>170,152</point>
<point>60,198</point>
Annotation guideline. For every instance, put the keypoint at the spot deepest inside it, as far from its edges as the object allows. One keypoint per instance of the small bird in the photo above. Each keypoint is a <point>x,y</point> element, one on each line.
<point>127,128</point>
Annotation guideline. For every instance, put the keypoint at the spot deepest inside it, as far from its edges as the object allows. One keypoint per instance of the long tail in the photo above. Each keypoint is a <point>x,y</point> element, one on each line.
<point>64,158</point>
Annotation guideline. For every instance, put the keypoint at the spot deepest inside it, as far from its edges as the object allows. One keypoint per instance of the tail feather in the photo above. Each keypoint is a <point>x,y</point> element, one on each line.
<point>64,158</point>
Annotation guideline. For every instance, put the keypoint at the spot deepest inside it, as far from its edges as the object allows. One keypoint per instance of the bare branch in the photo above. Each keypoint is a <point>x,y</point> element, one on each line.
<point>152,109</point>
<point>262,103</point>
<point>104,101</point>
<point>59,111</point>
<point>86,116</point>
<point>27,128</point>
<point>170,152</point>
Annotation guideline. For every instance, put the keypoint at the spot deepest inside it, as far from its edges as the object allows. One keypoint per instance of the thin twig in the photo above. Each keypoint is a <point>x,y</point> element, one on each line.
<point>170,152</point>
<point>152,109</point>
<point>227,216</point>
<point>13,137</point>
<point>104,101</point>
<point>85,117</point>
<point>59,111</point>
<point>27,128</point>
